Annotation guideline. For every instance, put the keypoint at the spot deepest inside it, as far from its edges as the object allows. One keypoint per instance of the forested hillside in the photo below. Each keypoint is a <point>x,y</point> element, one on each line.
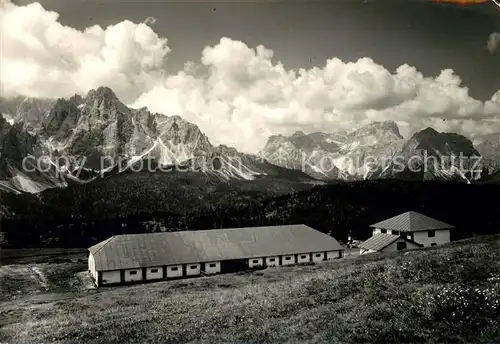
<point>335,209</point>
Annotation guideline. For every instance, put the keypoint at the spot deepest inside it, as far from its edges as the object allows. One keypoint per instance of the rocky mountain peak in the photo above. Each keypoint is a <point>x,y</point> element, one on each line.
<point>178,131</point>
<point>103,98</point>
<point>445,143</point>
<point>390,126</point>
<point>102,92</point>
<point>379,128</point>
<point>298,133</point>
<point>32,112</point>
<point>226,150</point>
<point>426,133</point>
<point>275,138</point>
<point>77,99</point>
<point>489,148</point>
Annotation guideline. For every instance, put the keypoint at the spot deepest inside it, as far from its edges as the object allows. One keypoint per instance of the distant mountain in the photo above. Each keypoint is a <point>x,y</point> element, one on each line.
<point>31,112</point>
<point>489,148</point>
<point>20,168</point>
<point>86,137</point>
<point>429,154</point>
<point>347,156</point>
<point>379,151</point>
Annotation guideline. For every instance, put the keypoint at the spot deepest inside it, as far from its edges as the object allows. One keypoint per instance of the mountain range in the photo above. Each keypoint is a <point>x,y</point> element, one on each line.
<point>46,144</point>
<point>378,150</point>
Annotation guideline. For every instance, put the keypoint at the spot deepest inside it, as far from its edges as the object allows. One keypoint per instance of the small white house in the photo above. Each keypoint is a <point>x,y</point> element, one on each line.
<point>158,256</point>
<point>419,228</point>
<point>386,243</point>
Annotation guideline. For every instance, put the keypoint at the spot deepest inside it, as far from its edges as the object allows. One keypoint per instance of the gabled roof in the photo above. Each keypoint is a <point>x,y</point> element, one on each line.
<point>380,241</point>
<point>157,249</point>
<point>411,221</point>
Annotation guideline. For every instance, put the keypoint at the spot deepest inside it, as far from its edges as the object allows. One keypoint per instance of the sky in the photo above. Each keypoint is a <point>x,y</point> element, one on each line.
<point>245,70</point>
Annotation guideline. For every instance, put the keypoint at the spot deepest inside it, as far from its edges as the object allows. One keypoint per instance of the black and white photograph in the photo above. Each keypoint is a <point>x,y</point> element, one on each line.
<point>249,171</point>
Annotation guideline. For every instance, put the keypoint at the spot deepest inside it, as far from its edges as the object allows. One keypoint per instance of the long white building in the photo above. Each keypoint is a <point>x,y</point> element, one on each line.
<point>157,256</point>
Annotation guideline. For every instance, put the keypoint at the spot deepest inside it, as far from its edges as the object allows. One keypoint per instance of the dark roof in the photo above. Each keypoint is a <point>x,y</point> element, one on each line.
<point>170,248</point>
<point>381,240</point>
<point>411,221</point>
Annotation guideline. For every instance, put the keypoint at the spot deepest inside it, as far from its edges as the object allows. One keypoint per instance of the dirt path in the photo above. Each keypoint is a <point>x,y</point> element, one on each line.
<point>39,299</point>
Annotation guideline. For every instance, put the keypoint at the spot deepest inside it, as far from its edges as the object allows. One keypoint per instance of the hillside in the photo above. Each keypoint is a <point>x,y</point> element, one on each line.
<point>352,207</point>
<point>337,208</point>
<point>447,294</point>
<point>129,193</point>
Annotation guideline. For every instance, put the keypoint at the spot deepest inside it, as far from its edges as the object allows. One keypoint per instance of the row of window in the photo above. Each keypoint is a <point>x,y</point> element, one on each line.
<point>430,234</point>
<point>175,268</point>
<point>304,256</point>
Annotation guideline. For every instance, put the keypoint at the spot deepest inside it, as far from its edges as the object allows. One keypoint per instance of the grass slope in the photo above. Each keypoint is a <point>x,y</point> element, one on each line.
<point>435,295</point>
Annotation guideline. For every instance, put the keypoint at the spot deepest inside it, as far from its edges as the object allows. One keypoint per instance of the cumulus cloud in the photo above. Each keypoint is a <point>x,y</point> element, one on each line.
<point>237,95</point>
<point>43,58</point>
<point>493,42</point>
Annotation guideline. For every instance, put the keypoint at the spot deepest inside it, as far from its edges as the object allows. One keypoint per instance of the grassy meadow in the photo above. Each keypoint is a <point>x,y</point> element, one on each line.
<point>448,294</point>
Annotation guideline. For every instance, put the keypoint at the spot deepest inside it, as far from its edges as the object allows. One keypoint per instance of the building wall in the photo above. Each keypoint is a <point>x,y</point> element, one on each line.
<point>174,271</point>
<point>110,277</point>
<point>441,237</point>
<point>193,269</point>
<point>333,254</point>
<point>303,258</point>
<point>394,246</point>
<point>130,276</point>
<point>288,260</point>
<point>154,273</point>
<point>318,256</point>
<point>212,267</point>
<point>92,269</point>
<point>255,262</point>
<point>272,261</point>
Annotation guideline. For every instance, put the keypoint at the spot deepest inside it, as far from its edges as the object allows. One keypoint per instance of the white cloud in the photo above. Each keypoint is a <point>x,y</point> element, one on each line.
<point>150,21</point>
<point>493,42</point>
<point>239,97</point>
<point>236,94</point>
<point>43,58</point>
